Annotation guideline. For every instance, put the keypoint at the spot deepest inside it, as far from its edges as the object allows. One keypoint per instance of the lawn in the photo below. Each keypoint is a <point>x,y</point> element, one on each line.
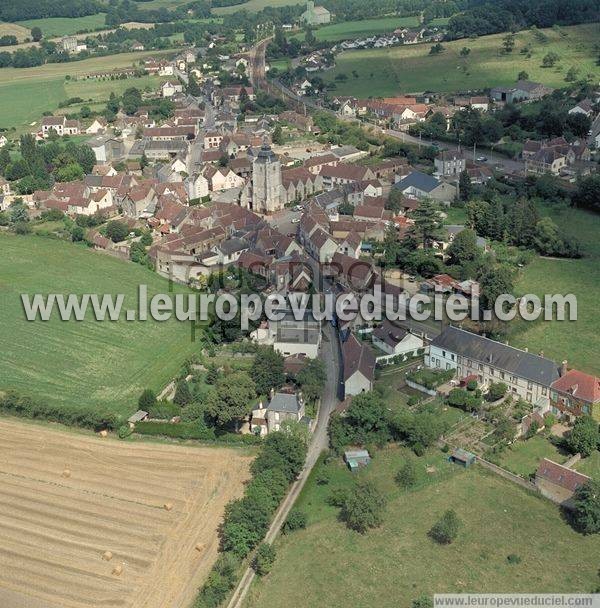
<point>590,465</point>
<point>85,363</point>
<point>404,69</point>
<point>26,93</point>
<point>53,27</point>
<point>575,341</point>
<point>393,565</point>
<point>523,457</point>
<point>14,29</point>
<point>360,29</point>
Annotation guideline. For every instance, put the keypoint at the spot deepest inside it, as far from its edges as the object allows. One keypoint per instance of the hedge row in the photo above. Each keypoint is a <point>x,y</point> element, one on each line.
<point>181,430</point>
<point>25,407</point>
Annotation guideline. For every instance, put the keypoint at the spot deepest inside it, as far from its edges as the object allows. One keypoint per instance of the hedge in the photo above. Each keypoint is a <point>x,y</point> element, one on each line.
<point>25,407</point>
<point>181,430</point>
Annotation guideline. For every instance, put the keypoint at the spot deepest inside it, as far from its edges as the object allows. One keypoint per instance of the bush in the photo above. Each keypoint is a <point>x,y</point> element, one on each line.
<point>147,400</point>
<point>513,558</point>
<point>446,529</point>
<point>163,410</point>
<point>584,437</point>
<point>296,521</point>
<point>430,378</point>
<point>418,449</point>
<point>363,507</point>
<point>125,431</point>
<point>264,559</point>
<point>496,391</point>
<point>220,581</point>
<point>407,475</point>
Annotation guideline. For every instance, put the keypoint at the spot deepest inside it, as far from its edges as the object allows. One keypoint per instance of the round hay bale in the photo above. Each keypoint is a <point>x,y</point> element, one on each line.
<point>118,570</point>
<point>199,547</point>
<point>66,473</point>
<point>107,556</point>
<point>168,506</point>
<point>104,433</point>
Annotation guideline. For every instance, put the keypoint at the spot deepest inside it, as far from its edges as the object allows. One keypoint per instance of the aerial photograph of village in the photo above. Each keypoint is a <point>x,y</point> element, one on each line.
<point>299,303</point>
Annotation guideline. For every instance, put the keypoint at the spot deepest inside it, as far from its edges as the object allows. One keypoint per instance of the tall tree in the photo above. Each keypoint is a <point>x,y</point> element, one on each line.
<point>267,370</point>
<point>427,227</point>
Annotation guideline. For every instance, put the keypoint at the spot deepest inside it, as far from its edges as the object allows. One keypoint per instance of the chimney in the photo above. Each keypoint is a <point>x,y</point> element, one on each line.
<point>541,353</point>
<point>563,368</point>
<point>526,349</point>
<point>272,393</point>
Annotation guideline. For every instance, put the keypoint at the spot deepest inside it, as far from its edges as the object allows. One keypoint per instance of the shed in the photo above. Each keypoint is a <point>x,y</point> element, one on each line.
<point>462,457</point>
<point>356,459</point>
<point>137,417</point>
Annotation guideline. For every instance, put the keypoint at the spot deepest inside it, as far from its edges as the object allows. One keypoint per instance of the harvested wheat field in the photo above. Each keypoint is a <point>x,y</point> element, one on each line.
<point>88,521</point>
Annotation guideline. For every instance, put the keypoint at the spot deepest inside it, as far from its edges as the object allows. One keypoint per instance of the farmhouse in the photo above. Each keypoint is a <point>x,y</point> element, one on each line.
<point>60,125</point>
<point>527,375</point>
<point>523,90</point>
<point>281,407</point>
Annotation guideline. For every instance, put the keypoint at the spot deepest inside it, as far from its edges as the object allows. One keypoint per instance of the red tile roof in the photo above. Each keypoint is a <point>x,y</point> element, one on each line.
<point>580,385</point>
<point>561,476</point>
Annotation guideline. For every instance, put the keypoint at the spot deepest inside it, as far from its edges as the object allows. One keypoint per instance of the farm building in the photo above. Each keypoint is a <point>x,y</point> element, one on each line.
<point>139,416</point>
<point>558,482</point>
<point>356,459</point>
<point>462,457</point>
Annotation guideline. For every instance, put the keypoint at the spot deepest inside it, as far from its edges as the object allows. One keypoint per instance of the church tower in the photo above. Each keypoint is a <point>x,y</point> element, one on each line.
<point>266,182</point>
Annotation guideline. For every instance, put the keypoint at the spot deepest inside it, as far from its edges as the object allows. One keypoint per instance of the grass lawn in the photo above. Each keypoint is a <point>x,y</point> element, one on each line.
<point>66,26</point>
<point>28,92</point>
<point>252,6</point>
<point>523,457</point>
<point>14,29</point>
<point>88,362</point>
<point>576,341</point>
<point>392,565</point>
<point>590,465</point>
<point>405,69</point>
<point>359,29</point>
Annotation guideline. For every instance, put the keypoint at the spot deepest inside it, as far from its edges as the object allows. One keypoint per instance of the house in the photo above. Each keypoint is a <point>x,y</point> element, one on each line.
<point>106,148</point>
<point>421,185</point>
<point>315,15</point>
<point>350,245</point>
<point>321,246</point>
<point>60,125</point>
<point>585,107</point>
<point>344,174</point>
<point>449,162</point>
<point>281,408</point>
<point>396,341</point>
<point>523,90</point>
<point>526,375</point>
<point>355,275</point>
<point>212,139</point>
<point>69,44</point>
<point>168,89</point>
<point>546,160</point>
<point>557,482</point>
<point>575,394</point>
<point>135,45</point>
<point>3,141</point>
<point>594,135</point>
<point>358,363</point>
<point>98,126</point>
<point>356,459</point>
<point>290,335</point>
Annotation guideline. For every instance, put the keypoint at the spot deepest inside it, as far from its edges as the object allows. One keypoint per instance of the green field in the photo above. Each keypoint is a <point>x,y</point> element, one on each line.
<point>82,363</point>
<point>576,341</point>
<point>361,29</point>
<point>391,566</point>
<point>26,93</point>
<point>405,69</point>
<point>252,5</point>
<point>590,465</point>
<point>65,26</point>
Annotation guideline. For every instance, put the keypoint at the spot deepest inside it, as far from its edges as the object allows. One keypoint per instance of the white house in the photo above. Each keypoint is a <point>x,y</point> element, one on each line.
<point>3,141</point>
<point>359,367</point>
<point>396,341</point>
<point>281,407</point>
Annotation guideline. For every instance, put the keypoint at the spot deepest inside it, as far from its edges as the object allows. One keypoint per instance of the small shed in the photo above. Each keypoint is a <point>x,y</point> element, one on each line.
<point>356,459</point>
<point>137,417</point>
<point>462,457</point>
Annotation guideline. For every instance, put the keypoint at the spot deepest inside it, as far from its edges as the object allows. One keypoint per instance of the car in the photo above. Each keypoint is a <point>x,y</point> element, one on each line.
<point>481,159</point>
<point>296,220</point>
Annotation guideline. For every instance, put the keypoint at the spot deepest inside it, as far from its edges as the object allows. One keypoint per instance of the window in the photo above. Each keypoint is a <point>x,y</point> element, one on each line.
<point>544,391</point>
<point>586,408</point>
<point>529,386</point>
<point>491,371</point>
<point>529,397</point>
<point>452,357</point>
<point>444,354</point>
<point>502,374</point>
<point>480,367</point>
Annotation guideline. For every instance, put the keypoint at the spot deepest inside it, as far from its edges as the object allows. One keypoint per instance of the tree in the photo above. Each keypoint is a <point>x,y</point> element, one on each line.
<point>264,559</point>
<point>362,507</point>
<point>571,74</point>
<point>277,136</point>
<point>465,187</point>
<point>436,49</point>
<point>212,374</point>
<point>367,417</point>
<point>232,399</point>
<point>407,475</point>
<point>267,370</point>
<point>183,395</point>
<point>423,601</point>
<point>465,51</point>
<point>588,192</point>
<point>296,520</point>
<point>36,34</point>
<point>147,400</point>
<point>463,248</point>
<point>116,231</point>
<point>496,391</point>
<point>446,529</point>
<point>586,507</point>
<point>77,233</point>
<point>522,75</point>
<point>584,437</point>
<point>312,378</point>
<point>495,281</point>
<point>427,227</point>
<point>4,160</point>
<point>508,42</point>
<point>284,451</point>
<point>550,59</point>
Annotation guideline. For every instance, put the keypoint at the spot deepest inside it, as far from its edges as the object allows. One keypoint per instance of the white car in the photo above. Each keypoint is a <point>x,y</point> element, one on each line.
<point>296,220</point>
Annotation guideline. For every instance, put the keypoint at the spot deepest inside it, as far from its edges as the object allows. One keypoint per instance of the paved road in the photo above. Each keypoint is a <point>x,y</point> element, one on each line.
<point>330,355</point>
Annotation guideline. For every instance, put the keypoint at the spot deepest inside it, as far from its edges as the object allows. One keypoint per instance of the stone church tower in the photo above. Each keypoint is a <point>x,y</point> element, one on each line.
<point>266,182</point>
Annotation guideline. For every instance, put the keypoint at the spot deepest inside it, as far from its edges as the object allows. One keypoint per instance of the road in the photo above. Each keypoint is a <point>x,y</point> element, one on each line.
<point>330,354</point>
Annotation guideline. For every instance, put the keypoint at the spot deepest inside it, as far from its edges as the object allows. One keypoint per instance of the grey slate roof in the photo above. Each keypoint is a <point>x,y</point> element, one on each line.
<point>284,402</point>
<point>418,180</point>
<point>500,356</point>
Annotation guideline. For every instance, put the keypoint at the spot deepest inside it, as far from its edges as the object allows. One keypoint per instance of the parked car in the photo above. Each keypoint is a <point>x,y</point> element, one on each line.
<point>481,159</point>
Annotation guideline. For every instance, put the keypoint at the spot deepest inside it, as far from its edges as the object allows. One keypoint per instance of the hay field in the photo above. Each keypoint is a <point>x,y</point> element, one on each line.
<point>54,529</point>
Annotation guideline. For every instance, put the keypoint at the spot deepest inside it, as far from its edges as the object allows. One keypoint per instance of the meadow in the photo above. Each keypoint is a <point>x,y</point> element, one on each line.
<point>397,563</point>
<point>26,93</point>
<point>404,69</point>
<point>14,29</point>
<point>360,29</point>
<point>66,26</point>
<point>575,341</point>
<point>523,457</point>
<point>85,363</point>
<point>252,6</point>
